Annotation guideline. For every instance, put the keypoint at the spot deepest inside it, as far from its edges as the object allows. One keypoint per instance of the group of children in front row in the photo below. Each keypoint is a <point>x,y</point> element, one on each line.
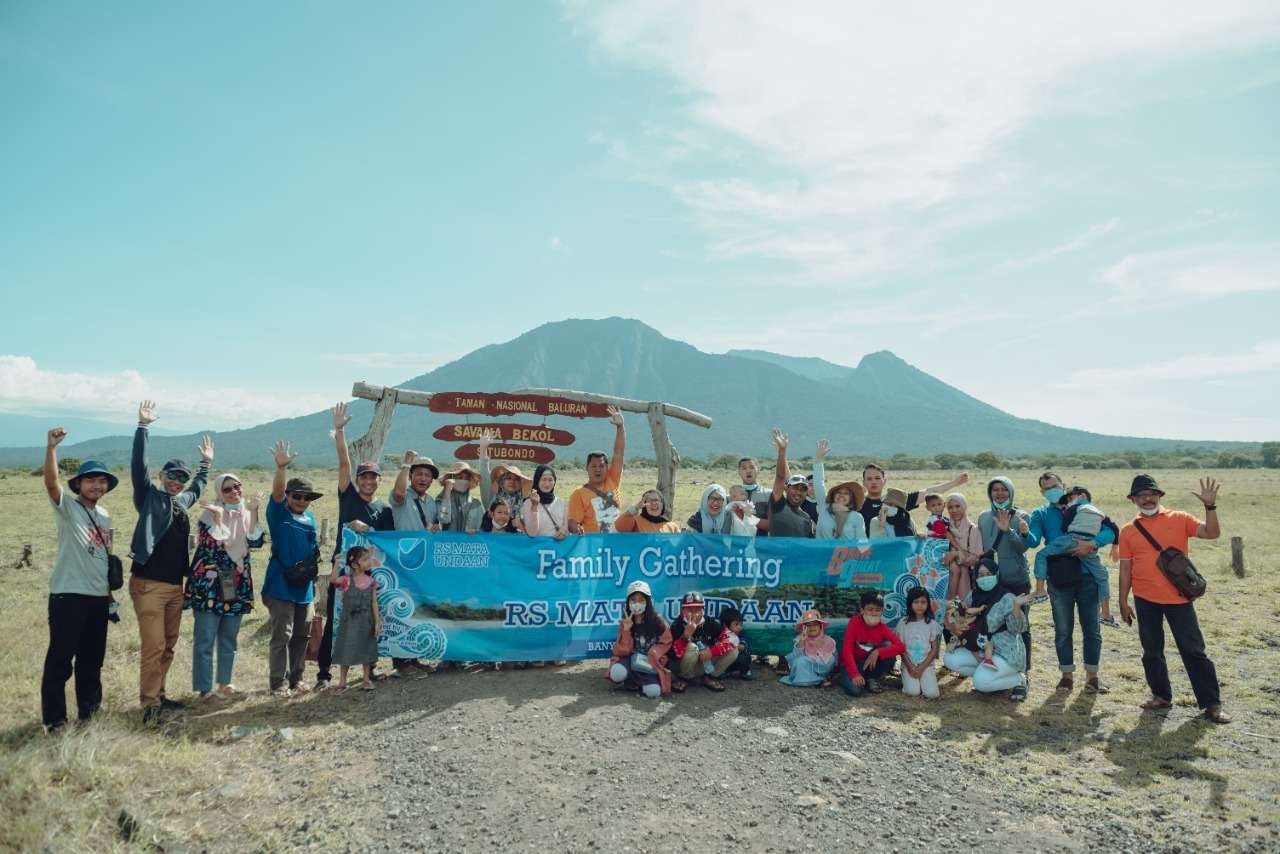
<point>653,658</point>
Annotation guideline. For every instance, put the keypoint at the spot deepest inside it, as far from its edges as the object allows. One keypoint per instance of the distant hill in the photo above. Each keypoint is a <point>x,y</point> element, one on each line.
<point>30,430</point>
<point>881,407</point>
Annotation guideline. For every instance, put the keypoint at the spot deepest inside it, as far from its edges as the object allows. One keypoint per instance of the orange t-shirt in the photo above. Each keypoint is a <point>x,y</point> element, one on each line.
<point>1169,528</point>
<point>580,509</point>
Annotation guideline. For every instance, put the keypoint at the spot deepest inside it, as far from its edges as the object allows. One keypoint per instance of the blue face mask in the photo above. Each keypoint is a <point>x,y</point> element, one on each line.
<point>1080,500</point>
<point>987,583</point>
<point>1054,495</point>
<point>1002,505</point>
<point>239,505</point>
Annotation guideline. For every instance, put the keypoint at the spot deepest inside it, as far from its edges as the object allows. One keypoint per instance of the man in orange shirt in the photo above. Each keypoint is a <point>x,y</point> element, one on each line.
<point>594,507</point>
<point>1157,600</point>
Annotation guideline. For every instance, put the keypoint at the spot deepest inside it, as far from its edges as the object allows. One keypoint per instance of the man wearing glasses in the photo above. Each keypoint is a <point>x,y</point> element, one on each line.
<point>289,605</point>
<point>161,559</point>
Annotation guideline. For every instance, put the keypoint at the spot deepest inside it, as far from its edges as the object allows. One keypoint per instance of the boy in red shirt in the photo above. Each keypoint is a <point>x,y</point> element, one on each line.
<point>869,648</point>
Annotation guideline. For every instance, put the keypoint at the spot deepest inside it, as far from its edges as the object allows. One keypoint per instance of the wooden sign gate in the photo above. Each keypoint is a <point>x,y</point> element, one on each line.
<point>529,401</point>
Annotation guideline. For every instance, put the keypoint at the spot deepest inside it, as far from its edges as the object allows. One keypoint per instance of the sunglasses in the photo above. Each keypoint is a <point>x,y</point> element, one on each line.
<point>177,476</point>
<point>300,496</point>
<point>235,487</point>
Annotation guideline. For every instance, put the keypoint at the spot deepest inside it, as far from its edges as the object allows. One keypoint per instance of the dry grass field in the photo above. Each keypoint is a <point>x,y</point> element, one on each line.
<point>113,785</point>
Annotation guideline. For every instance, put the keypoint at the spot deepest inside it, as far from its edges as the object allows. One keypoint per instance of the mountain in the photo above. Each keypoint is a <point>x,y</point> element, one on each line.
<point>30,430</point>
<point>881,407</point>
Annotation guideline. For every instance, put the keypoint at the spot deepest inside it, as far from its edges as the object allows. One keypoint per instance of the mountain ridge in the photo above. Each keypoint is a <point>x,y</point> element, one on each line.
<point>883,406</point>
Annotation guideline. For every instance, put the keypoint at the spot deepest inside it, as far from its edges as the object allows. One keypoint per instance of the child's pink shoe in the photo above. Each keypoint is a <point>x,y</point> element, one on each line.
<point>987,662</point>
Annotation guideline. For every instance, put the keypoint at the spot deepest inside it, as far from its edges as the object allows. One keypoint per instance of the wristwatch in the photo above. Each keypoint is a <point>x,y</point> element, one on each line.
<point>1211,507</point>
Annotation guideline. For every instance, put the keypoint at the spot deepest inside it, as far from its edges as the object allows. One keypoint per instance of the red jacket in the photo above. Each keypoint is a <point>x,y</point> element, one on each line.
<point>877,636</point>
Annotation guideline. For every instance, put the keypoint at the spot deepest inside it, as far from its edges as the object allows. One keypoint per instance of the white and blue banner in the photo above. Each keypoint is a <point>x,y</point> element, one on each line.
<point>509,597</point>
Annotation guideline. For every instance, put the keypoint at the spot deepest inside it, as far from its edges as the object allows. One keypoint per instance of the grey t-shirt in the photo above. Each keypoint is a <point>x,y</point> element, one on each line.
<point>405,515</point>
<point>80,566</point>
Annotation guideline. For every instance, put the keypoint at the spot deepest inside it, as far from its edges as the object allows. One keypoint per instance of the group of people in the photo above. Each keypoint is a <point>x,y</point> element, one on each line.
<point>983,624</point>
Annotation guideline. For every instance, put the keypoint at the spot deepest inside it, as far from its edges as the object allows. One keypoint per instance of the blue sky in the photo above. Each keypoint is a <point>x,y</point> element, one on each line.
<point>1069,213</point>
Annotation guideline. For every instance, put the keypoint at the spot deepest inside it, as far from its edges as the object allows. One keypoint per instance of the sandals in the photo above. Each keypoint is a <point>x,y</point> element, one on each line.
<point>712,683</point>
<point>1110,621</point>
<point>1156,704</point>
<point>368,686</point>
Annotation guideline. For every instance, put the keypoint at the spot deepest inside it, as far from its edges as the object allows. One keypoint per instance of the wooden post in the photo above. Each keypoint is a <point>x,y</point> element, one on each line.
<point>1237,556</point>
<point>368,448</point>
<point>666,455</point>
<point>324,531</point>
<point>25,560</point>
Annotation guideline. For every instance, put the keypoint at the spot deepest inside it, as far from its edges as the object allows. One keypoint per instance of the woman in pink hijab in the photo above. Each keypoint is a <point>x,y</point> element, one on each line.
<point>814,654</point>
<point>966,547</point>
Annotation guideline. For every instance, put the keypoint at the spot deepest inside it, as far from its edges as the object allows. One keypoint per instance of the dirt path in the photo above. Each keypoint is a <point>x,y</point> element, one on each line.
<point>558,760</point>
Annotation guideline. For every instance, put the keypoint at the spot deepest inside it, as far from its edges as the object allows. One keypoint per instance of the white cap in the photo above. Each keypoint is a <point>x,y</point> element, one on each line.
<point>639,587</point>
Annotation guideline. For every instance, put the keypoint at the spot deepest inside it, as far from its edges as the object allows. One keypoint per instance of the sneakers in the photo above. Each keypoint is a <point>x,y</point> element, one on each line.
<point>1018,694</point>
<point>170,705</point>
<point>300,688</point>
<point>873,685</point>
<point>281,693</point>
<point>321,685</point>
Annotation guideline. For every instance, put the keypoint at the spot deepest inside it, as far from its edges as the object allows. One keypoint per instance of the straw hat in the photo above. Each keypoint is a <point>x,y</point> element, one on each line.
<point>895,498</point>
<point>856,490</point>
<point>813,615</point>
<point>499,472</point>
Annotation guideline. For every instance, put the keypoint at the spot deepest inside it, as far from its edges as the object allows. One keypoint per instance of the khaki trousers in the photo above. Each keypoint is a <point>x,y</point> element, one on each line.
<point>158,608</point>
<point>691,667</point>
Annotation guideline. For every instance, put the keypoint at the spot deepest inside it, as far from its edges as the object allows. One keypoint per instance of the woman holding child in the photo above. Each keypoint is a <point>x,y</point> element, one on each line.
<point>993,617</point>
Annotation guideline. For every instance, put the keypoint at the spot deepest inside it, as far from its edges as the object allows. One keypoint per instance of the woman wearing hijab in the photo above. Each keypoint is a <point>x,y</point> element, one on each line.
<point>650,516</point>
<point>1003,528</point>
<point>996,614</point>
<point>219,589</point>
<point>966,547</point>
<point>713,517</point>
<point>544,514</point>
<point>837,505</point>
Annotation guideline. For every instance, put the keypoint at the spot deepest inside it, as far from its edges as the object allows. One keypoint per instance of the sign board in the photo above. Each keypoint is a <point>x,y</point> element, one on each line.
<point>509,453</point>
<point>477,403</point>
<point>506,432</point>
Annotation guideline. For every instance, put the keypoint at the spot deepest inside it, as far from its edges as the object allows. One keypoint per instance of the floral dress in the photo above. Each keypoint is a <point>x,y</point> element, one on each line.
<point>203,592</point>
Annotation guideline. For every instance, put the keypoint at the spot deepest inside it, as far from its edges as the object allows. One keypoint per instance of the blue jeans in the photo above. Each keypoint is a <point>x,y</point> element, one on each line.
<point>882,668</point>
<point>1066,602</point>
<point>1090,563</point>
<point>213,628</point>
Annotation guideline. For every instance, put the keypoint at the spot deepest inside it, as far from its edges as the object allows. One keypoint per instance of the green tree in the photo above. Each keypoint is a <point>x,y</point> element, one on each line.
<point>69,465</point>
<point>1136,459</point>
<point>986,460</point>
<point>946,461</point>
<point>1271,454</point>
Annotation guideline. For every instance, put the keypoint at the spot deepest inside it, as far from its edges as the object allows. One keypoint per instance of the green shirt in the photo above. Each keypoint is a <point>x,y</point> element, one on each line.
<point>80,565</point>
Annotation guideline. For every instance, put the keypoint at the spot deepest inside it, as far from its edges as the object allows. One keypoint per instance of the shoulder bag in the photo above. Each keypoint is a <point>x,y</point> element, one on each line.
<point>1176,566</point>
<point>115,566</point>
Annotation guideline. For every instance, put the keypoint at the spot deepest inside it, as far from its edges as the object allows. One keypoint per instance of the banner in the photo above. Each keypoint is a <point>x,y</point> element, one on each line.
<point>509,597</point>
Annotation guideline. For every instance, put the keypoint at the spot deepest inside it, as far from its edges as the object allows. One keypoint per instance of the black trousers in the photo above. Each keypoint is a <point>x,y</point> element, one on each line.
<point>77,643</point>
<point>1190,642</point>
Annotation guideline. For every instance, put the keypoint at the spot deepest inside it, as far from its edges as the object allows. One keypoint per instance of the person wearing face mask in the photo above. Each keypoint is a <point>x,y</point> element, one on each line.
<point>650,516</point>
<point>814,652</point>
<point>701,646</point>
<point>640,652</point>
<point>1156,600</point>
<point>1081,578</point>
<point>995,615</point>
<point>1004,529</point>
<point>219,589</point>
<point>869,648</point>
<point>838,517</point>
<point>458,510</point>
<point>713,517</point>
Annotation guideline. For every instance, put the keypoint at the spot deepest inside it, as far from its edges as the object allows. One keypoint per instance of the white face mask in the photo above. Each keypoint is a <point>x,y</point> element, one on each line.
<point>890,512</point>
<point>870,621</point>
<point>637,608</point>
<point>1149,512</point>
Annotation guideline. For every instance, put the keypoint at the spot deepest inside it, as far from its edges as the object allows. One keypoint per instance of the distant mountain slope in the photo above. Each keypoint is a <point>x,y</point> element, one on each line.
<point>881,407</point>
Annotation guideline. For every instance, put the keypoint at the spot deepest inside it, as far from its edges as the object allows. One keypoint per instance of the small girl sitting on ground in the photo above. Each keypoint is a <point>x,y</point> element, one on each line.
<point>640,651</point>
<point>922,636</point>
<point>814,654</point>
<point>360,622</point>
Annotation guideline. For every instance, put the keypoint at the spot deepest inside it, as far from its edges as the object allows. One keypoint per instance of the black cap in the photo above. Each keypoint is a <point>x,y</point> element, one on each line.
<point>178,465</point>
<point>1143,482</point>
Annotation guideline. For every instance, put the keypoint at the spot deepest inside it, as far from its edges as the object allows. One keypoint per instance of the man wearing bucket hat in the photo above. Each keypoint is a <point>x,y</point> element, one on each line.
<point>79,595</point>
<point>1157,600</point>
<point>458,510</point>
<point>161,559</point>
<point>412,508</point>
<point>294,543</point>
<point>359,510</point>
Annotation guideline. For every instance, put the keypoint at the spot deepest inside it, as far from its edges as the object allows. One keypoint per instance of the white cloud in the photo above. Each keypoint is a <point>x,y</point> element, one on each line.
<point>1091,235</point>
<point>28,389</point>
<point>1263,358</point>
<point>1185,276</point>
<point>867,120</point>
<point>554,243</point>
<point>409,364</point>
